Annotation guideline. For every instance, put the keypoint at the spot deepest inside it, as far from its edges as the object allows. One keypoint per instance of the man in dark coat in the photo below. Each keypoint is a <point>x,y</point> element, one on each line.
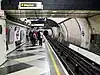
<point>32,37</point>
<point>40,37</point>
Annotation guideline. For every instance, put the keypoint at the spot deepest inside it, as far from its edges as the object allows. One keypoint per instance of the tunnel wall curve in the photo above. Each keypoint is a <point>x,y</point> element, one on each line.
<point>85,42</point>
<point>55,32</point>
<point>72,30</point>
<point>77,31</point>
<point>64,31</point>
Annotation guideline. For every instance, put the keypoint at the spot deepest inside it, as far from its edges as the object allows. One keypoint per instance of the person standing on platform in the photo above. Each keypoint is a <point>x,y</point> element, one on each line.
<point>34,38</point>
<point>36,35</point>
<point>27,36</point>
<point>40,36</point>
<point>31,36</point>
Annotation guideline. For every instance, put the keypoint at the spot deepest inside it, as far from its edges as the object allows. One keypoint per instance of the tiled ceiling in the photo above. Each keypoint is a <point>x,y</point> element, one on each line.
<point>51,13</point>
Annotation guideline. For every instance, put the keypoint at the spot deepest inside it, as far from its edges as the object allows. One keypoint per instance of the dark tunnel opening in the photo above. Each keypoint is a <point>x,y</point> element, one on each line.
<point>45,33</point>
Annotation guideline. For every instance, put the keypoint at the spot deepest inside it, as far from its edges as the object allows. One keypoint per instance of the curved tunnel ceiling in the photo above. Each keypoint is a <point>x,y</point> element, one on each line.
<point>51,23</point>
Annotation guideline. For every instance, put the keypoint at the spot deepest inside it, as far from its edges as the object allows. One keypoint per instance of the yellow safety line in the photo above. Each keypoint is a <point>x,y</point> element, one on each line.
<point>54,62</point>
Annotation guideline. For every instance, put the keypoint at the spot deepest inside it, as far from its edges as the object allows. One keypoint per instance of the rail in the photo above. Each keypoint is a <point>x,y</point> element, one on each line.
<point>75,63</point>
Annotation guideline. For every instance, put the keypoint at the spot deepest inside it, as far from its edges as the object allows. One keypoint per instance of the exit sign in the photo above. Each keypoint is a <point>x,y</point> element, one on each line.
<point>30,5</point>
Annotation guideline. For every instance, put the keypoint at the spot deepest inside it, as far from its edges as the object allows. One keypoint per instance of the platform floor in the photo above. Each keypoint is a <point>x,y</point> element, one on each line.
<point>32,60</point>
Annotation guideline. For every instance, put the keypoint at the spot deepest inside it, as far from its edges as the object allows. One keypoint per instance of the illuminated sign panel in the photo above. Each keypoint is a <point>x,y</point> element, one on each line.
<point>30,5</point>
<point>37,19</point>
<point>37,25</point>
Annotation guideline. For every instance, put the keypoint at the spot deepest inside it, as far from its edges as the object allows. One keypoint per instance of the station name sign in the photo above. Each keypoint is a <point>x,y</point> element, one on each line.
<point>30,5</point>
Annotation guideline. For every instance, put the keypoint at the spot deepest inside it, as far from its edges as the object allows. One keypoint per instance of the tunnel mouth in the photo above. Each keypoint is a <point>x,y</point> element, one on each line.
<point>51,23</point>
<point>45,33</point>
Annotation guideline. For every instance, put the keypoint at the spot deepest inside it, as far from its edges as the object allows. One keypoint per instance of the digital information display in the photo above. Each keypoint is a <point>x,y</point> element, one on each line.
<point>30,5</point>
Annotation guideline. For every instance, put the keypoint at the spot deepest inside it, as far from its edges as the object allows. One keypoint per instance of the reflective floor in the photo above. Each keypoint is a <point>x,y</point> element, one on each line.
<point>31,60</point>
<point>27,60</point>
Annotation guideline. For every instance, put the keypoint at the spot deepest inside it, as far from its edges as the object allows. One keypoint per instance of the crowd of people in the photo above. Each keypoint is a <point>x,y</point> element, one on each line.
<point>35,37</point>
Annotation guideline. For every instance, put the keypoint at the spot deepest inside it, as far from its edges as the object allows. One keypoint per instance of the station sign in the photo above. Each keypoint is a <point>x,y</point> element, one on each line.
<point>30,5</point>
<point>37,25</point>
<point>37,19</point>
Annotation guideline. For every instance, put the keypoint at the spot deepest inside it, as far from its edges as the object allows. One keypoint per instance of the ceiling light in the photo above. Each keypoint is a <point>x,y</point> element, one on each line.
<point>52,14</point>
<point>54,11</point>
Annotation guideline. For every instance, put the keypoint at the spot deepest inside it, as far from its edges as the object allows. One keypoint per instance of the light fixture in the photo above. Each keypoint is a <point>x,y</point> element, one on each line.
<point>52,14</point>
<point>54,11</point>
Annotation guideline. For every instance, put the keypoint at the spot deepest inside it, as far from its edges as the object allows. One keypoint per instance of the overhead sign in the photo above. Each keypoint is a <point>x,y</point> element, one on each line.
<point>37,19</point>
<point>37,25</point>
<point>30,5</point>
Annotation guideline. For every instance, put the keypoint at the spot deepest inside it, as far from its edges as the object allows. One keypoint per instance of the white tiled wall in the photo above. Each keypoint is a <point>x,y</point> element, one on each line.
<point>55,31</point>
<point>85,42</point>
<point>2,43</point>
<point>12,46</point>
<point>73,31</point>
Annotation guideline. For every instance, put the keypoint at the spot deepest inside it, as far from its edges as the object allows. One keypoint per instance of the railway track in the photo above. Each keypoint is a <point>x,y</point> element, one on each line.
<point>75,63</point>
